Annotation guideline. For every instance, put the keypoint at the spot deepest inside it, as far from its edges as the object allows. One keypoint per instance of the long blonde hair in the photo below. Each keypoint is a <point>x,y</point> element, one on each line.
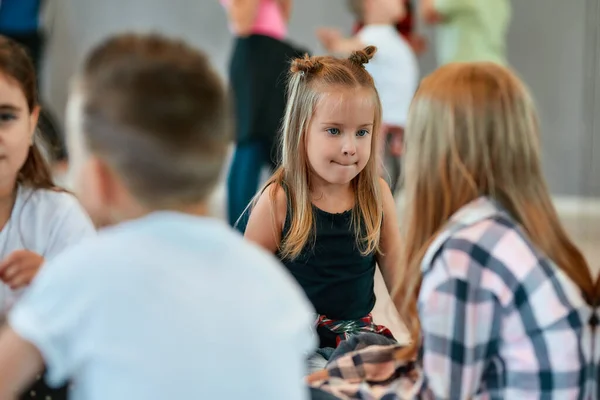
<point>473,131</point>
<point>310,78</point>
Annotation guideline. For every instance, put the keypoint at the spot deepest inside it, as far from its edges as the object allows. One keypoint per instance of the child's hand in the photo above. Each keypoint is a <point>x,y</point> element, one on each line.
<point>330,38</point>
<point>19,268</point>
<point>418,43</point>
<point>433,18</point>
<point>429,13</point>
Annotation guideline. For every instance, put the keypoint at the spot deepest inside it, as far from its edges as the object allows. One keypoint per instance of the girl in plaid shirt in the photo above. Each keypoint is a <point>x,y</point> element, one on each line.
<point>505,299</point>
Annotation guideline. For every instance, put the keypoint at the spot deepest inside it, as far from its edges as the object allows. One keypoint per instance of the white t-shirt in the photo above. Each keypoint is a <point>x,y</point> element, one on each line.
<point>394,69</point>
<point>169,306</point>
<point>44,222</point>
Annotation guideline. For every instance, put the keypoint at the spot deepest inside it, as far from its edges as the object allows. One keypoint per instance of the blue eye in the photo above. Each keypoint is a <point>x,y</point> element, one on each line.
<point>333,131</point>
<point>362,132</point>
<point>6,117</point>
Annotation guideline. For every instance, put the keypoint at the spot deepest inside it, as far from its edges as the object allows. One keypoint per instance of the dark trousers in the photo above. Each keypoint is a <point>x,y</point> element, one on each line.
<point>244,174</point>
<point>257,76</point>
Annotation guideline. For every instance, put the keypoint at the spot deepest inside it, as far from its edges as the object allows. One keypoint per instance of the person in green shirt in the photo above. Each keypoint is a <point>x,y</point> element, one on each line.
<point>469,30</point>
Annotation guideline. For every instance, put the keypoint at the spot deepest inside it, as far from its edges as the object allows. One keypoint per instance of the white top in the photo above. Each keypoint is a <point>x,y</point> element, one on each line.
<point>169,306</point>
<point>44,222</point>
<point>394,69</point>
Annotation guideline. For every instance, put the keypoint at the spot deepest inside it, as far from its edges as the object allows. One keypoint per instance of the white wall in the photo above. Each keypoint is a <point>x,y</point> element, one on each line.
<point>549,45</point>
<point>76,25</point>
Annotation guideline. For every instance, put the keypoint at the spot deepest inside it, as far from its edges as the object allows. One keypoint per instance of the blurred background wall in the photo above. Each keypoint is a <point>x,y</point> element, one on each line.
<point>553,44</point>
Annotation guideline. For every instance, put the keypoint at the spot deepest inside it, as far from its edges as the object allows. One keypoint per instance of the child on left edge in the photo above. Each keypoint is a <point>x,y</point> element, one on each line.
<point>38,219</point>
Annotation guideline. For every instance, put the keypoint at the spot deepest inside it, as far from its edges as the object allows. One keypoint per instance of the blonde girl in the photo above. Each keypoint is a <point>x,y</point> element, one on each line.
<point>325,212</point>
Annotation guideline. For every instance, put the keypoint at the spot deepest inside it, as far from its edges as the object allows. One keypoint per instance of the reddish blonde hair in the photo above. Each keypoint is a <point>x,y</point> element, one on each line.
<point>473,131</point>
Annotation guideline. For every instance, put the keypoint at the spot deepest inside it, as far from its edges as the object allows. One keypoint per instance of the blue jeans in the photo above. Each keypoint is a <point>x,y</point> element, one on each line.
<point>244,173</point>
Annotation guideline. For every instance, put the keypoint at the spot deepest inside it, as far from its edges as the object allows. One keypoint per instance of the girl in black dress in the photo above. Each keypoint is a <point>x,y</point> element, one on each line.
<point>326,213</point>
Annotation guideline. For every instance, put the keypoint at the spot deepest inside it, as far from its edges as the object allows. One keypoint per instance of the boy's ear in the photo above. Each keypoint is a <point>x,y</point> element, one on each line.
<point>105,180</point>
<point>97,188</point>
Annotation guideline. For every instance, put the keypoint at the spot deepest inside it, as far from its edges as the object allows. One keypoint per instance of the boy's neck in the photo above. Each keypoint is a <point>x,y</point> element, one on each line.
<point>198,210</point>
<point>137,211</point>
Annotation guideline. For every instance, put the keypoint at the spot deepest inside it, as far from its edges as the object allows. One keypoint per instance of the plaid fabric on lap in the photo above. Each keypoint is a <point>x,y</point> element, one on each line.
<point>373,374</point>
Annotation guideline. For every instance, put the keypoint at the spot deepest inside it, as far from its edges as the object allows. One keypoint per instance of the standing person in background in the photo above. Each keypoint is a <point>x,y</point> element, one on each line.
<point>405,27</point>
<point>394,69</point>
<point>469,30</point>
<point>258,64</point>
<point>20,21</point>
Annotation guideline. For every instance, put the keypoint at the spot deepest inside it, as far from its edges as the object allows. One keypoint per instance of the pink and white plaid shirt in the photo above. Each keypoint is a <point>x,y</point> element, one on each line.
<point>499,321</point>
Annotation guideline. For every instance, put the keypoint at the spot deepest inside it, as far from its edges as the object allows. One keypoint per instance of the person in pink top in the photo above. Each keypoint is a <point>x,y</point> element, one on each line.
<point>260,17</point>
<point>257,70</point>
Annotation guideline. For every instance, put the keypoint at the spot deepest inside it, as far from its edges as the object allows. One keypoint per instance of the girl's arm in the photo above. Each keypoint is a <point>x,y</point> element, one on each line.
<point>267,218</point>
<point>286,9</point>
<point>242,14</point>
<point>334,42</point>
<point>435,11</point>
<point>20,362</point>
<point>390,242</point>
<point>429,12</point>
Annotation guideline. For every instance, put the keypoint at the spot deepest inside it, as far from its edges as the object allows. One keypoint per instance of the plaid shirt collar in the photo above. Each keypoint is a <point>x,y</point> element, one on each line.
<point>476,211</point>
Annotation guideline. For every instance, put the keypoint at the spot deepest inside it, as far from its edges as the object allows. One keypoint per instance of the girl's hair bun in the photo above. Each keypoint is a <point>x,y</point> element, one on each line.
<point>361,57</point>
<point>306,65</point>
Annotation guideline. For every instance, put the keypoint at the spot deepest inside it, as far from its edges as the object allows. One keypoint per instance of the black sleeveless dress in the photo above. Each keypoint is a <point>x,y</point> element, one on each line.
<point>336,277</point>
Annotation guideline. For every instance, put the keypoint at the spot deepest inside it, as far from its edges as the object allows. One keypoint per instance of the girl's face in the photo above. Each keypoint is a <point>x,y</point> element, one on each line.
<point>338,140</point>
<point>17,127</point>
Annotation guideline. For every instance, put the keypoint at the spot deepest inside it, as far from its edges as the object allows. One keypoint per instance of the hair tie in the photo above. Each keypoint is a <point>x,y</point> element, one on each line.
<point>305,65</point>
<point>361,57</point>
